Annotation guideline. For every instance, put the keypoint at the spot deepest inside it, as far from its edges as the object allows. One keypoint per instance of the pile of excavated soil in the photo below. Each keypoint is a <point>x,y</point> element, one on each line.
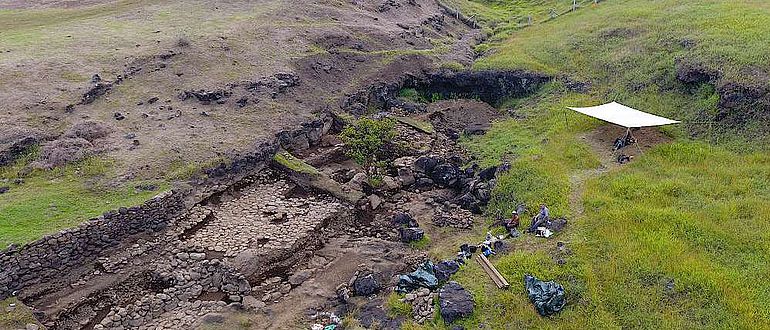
<point>462,116</point>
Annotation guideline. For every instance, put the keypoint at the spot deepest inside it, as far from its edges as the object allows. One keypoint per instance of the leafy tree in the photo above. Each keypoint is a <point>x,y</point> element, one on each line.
<point>368,142</point>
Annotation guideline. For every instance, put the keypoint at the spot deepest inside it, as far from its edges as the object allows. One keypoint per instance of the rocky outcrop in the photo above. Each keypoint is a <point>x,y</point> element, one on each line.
<point>16,148</point>
<point>490,86</point>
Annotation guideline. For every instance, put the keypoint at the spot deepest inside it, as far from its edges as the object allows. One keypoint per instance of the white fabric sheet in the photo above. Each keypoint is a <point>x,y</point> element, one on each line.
<point>622,115</point>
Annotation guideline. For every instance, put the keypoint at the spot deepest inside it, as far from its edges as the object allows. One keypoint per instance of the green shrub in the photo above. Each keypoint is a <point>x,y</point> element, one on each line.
<point>368,142</point>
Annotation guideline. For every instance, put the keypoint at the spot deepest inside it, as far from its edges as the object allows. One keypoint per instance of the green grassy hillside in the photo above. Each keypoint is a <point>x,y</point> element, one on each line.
<point>678,238</point>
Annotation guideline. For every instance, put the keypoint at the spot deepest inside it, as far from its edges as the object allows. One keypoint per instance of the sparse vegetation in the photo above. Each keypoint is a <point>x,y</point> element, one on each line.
<point>396,307</point>
<point>411,95</point>
<point>18,317</point>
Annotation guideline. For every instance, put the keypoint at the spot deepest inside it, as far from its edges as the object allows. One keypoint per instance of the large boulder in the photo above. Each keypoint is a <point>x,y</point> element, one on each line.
<point>446,175</point>
<point>423,184</point>
<point>406,176</point>
<point>469,202</point>
<point>404,220</point>
<point>488,174</point>
<point>373,314</point>
<point>411,234</point>
<point>366,285</point>
<point>455,302</point>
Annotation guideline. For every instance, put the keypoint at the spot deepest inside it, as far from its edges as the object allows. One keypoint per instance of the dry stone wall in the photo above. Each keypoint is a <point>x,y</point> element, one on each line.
<point>45,259</point>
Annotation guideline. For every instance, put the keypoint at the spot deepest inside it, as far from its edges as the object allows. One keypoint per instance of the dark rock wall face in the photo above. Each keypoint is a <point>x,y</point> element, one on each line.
<point>489,86</point>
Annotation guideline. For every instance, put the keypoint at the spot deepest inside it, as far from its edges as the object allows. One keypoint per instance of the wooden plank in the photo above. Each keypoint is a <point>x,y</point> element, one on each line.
<point>497,273</point>
<point>492,272</point>
<point>489,271</point>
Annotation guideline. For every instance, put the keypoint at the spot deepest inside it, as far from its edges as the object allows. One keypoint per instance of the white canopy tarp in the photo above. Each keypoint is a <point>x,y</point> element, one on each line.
<point>622,115</point>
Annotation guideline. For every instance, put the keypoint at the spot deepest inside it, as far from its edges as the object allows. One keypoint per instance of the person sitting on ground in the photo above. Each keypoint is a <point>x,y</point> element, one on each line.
<point>540,219</point>
<point>486,250</point>
<point>621,142</point>
<point>512,225</point>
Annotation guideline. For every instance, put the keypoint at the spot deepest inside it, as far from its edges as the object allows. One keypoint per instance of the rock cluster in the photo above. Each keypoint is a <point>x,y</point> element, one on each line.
<point>261,216</point>
<point>421,300</point>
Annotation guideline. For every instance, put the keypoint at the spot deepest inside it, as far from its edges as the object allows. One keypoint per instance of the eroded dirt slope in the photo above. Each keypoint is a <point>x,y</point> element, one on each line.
<point>183,82</point>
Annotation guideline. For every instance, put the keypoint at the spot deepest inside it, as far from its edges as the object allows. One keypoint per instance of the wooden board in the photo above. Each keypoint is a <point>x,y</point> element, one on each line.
<point>492,272</point>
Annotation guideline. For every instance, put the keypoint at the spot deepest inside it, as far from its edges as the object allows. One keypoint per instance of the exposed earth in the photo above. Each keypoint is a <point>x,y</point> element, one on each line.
<point>268,247</point>
<point>169,94</point>
<point>238,107</point>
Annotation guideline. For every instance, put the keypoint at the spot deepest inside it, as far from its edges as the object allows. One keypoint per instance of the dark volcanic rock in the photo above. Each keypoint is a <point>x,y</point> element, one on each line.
<point>740,102</point>
<point>411,234</point>
<point>423,184</point>
<point>455,302</point>
<point>447,175</point>
<point>4,190</point>
<point>16,149</point>
<point>488,174</point>
<point>445,269</point>
<point>366,285</point>
<point>488,86</point>
<point>99,89</point>
<point>426,164</point>
<point>690,72</point>
<point>373,313</point>
<point>405,220</point>
<point>205,97</point>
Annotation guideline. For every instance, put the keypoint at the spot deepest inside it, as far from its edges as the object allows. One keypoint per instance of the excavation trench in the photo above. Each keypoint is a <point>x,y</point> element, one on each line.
<point>248,239</point>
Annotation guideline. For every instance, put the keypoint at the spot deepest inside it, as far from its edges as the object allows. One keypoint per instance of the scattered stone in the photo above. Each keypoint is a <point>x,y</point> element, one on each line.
<point>299,277</point>
<point>4,189</point>
<point>445,269</point>
<point>253,304</point>
<point>118,116</point>
<point>404,219</point>
<point>375,201</point>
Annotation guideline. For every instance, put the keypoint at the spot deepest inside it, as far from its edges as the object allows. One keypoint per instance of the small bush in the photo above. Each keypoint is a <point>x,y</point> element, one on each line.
<point>369,141</point>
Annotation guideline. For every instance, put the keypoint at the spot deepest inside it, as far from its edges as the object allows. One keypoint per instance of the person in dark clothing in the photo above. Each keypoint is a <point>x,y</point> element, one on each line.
<point>624,141</point>
<point>540,219</point>
<point>623,158</point>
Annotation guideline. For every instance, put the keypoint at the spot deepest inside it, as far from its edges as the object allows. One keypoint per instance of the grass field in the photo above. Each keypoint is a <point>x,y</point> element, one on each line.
<point>675,240</point>
<point>49,201</point>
